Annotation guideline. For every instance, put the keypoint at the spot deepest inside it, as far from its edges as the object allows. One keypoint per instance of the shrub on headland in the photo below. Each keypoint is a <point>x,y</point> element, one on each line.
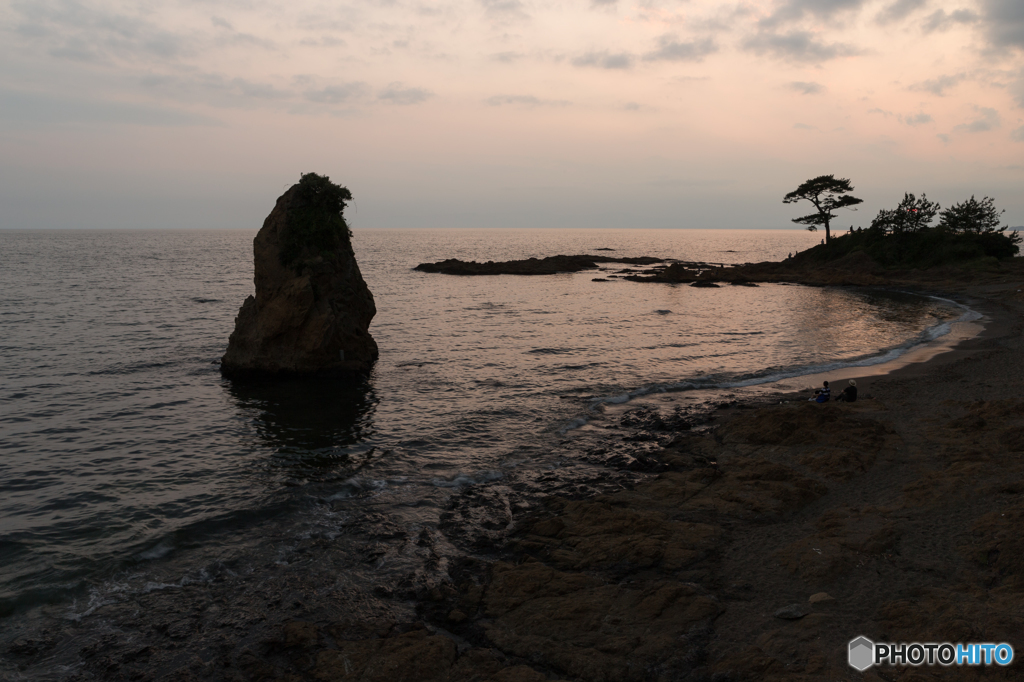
<point>912,215</point>
<point>903,238</point>
<point>972,217</point>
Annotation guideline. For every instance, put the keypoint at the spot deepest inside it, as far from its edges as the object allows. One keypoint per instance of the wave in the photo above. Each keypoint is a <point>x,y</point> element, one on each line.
<point>356,485</point>
<point>773,374</point>
<point>466,480</point>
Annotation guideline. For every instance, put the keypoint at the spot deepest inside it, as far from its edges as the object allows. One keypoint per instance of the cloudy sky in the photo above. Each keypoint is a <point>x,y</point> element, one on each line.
<point>503,113</point>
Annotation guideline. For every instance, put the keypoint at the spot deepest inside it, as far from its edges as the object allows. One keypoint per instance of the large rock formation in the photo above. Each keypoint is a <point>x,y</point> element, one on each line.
<point>312,309</point>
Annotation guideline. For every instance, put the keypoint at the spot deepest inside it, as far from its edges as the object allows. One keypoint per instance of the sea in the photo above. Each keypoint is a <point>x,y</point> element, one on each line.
<point>130,467</point>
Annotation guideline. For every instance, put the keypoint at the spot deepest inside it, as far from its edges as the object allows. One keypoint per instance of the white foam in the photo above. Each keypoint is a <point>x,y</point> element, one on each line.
<point>928,335</point>
<point>97,599</point>
<point>157,551</point>
<point>356,485</point>
<point>465,480</point>
<point>574,424</point>
<point>154,587</point>
<point>596,403</point>
<point>126,585</point>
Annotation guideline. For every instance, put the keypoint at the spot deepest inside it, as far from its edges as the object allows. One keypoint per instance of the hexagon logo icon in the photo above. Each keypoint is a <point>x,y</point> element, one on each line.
<point>862,653</point>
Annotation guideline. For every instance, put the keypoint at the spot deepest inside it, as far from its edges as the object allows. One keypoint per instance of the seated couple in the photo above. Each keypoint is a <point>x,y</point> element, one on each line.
<point>848,394</point>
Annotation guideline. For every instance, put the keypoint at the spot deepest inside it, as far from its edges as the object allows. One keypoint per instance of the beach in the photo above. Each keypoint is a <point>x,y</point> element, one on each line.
<point>768,544</point>
<point>682,545</point>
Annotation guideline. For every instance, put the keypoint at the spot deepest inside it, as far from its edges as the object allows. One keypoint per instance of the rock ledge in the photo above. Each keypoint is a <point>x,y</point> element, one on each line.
<point>530,266</point>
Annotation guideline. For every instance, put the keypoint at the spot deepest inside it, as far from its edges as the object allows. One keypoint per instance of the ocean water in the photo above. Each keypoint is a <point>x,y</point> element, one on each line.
<point>128,463</point>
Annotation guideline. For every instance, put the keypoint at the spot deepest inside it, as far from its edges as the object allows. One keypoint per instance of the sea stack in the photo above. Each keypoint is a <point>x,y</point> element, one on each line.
<point>312,310</point>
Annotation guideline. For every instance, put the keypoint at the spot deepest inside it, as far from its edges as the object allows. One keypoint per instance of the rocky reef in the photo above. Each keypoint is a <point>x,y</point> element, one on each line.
<point>312,310</point>
<point>814,267</point>
<point>531,266</point>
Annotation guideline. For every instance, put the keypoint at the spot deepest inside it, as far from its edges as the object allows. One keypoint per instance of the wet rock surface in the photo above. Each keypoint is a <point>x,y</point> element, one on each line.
<point>710,569</point>
<point>648,419</point>
<point>531,266</point>
<point>312,310</point>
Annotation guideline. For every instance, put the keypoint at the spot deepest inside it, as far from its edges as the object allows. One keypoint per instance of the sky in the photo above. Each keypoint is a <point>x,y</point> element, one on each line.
<point>504,113</point>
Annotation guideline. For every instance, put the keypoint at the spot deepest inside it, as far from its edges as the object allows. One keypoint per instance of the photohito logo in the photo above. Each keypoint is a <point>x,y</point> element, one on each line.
<point>863,653</point>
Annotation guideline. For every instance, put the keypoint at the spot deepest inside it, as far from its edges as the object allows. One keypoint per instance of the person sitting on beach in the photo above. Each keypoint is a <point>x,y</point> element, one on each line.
<point>822,395</point>
<point>848,394</point>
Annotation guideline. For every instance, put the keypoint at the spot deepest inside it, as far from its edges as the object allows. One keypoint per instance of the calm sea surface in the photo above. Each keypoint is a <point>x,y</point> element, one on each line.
<point>126,460</point>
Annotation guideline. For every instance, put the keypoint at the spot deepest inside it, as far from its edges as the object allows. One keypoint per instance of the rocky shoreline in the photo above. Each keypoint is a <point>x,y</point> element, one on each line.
<point>551,265</point>
<point>857,269</point>
<point>765,546</point>
<point>763,549</point>
<point>754,550</point>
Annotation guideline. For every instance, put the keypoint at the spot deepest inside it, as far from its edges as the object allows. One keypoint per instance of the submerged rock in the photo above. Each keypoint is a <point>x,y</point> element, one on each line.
<point>312,310</point>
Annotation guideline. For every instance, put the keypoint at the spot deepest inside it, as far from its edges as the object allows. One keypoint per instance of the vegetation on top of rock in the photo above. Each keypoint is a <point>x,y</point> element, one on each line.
<point>316,224</point>
<point>912,215</point>
<point>902,237</point>
<point>827,193</point>
<point>972,216</point>
<point>312,310</point>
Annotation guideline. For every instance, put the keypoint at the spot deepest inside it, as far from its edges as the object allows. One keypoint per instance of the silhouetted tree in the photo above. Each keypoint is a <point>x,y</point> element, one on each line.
<point>827,193</point>
<point>972,216</point>
<point>912,215</point>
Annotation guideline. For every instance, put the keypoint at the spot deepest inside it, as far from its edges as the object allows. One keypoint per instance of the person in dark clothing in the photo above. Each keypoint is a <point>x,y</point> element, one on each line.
<point>848,394</point>
<point>823,394</point>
